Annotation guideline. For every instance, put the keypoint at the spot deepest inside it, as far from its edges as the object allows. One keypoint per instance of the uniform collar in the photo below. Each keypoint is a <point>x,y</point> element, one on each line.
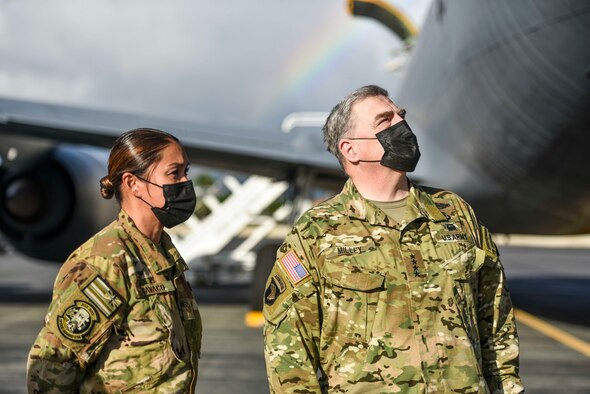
<point>358,207</point>
<point>158,258</point>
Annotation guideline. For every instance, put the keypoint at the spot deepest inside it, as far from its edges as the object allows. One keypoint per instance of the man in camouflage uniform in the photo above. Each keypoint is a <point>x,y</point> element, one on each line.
<point>387,287</point>
<point>122,320</point>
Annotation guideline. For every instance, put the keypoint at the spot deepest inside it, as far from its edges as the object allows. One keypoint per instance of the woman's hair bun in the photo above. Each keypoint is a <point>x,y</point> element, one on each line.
<point>106,188</point>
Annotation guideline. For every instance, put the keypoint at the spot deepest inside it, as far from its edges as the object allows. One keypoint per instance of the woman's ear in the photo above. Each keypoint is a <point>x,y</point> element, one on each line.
<point>348,152</point>
<point>129,184</point>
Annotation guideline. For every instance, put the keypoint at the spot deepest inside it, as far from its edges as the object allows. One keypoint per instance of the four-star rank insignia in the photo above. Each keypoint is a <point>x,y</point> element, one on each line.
<point>77,321</point>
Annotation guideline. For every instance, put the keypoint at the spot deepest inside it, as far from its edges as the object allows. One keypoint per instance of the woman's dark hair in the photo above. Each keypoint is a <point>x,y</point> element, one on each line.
<point>134,151</point>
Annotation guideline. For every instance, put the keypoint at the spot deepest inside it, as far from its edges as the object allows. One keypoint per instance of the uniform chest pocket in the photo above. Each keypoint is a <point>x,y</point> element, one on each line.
<point>464,269</point>
<point>350,301</point>
<point>144,324</point>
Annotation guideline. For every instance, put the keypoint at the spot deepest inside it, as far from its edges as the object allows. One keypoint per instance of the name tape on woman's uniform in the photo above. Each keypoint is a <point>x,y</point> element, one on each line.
<point>293,267</point>
<point>158,288</point>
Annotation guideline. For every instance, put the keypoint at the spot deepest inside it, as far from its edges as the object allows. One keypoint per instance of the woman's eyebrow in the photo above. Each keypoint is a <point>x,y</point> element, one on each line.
<point>179,164</point>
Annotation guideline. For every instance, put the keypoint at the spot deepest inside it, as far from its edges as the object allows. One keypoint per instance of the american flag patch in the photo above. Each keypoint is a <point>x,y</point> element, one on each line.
<point>102,296</point>
<point>295,270</point>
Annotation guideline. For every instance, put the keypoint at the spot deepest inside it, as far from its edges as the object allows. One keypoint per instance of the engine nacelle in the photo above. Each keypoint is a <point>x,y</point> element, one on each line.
<point>51,203</point>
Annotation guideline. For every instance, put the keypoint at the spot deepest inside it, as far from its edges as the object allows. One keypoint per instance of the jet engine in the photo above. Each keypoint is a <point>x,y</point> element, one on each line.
<point>50,202</point>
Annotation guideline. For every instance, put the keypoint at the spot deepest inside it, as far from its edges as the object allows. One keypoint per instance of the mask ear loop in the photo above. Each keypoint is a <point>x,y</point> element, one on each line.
<point>145,180</point>
<point>155,184</point>
<point>366,138</point>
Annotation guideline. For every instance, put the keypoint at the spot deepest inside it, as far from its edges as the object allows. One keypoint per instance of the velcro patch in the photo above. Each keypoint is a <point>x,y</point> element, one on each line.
<point>186,307</point>
<point>414,265</point>
<point>158,288</point>
<point>452,237</point>
<point>293,267</point>
<point>77,321</point>
<point>348,250</point>
<point>274,289</point>
<point>102,296</point>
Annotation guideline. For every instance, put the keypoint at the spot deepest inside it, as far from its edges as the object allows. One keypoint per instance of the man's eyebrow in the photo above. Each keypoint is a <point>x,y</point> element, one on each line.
<point>383,115</point>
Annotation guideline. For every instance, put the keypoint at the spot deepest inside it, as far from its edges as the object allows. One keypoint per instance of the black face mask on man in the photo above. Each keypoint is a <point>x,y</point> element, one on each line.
<point>180,201</point>
<point>400,145</point>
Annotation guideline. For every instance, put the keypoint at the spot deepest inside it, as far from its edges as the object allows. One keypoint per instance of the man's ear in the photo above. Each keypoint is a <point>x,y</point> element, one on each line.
<point>348,152</point>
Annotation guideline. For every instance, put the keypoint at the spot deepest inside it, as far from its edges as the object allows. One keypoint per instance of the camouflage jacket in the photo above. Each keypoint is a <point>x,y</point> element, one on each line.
<point>358,303</point>
<point>122,319</point>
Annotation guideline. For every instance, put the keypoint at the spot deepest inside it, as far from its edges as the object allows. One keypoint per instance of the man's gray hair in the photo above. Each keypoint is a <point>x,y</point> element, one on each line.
<point>338,122</point>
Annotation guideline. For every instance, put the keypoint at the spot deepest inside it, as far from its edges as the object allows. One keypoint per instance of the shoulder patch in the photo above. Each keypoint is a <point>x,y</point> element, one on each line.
<point>102,296</point>
<point>275,288</point>
<point>296,272</point>
<point>77,321</point>
<point>488,244</point>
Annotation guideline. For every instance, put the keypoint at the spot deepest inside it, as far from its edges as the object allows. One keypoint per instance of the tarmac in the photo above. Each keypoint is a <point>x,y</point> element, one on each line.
<point>550,288</point>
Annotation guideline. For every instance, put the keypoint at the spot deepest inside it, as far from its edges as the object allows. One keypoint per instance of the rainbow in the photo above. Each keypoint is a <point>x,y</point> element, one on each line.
<point>312,61</point>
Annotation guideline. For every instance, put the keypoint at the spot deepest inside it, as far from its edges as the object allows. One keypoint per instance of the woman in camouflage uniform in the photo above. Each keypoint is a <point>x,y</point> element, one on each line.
<point>123,318</point>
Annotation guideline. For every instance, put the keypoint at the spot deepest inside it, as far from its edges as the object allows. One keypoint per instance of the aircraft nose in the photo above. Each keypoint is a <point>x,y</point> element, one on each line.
<point>23,199</point>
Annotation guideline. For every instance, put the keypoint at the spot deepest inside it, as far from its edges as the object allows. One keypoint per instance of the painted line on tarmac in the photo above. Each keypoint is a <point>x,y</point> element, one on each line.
<point>581,241</point>
<point>553,332</point>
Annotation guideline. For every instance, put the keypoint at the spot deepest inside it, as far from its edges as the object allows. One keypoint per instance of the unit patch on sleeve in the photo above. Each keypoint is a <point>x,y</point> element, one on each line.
<point>102,296</point>
<point>186,307</point>
<point>293,267</point>
<point>274,289</point>
<point>77,321</point>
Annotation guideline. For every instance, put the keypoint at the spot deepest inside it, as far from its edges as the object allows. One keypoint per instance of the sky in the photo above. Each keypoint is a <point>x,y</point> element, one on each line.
<point>228,62</point>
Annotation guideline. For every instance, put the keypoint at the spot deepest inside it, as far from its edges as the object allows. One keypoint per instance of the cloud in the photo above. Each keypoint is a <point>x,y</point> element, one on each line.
<point>248,63</point>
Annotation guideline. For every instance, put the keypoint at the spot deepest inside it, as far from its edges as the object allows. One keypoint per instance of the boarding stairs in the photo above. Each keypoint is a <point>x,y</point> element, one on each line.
<point>204,239</point>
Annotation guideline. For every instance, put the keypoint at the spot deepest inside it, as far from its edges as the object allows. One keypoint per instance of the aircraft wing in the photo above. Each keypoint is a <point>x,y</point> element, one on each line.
<point>263,152</point>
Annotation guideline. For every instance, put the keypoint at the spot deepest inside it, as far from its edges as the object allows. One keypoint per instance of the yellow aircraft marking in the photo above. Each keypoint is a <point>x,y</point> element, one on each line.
<point>553,332</point>
<point>391,9</point>
<point>254,319</point>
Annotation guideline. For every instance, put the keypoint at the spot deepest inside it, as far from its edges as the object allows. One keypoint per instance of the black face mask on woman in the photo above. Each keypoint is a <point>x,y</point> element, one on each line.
<point>180,201</point>
<point>400,146</point>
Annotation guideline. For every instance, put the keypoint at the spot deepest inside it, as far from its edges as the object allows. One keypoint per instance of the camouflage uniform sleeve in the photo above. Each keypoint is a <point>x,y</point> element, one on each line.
<point>84,308</point>
<point>293,322</point>
<point>496,323</point>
